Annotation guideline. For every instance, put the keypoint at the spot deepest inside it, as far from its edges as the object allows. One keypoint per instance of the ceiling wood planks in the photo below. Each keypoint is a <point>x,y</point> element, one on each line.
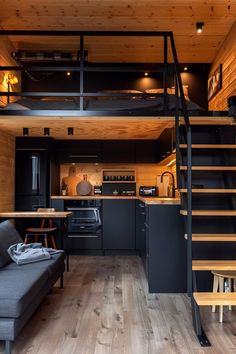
<point>178,16</point>
<point>89,128</point>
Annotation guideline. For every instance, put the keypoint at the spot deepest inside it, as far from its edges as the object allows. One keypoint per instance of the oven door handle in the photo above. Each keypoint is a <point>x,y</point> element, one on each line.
<point>79,209</point>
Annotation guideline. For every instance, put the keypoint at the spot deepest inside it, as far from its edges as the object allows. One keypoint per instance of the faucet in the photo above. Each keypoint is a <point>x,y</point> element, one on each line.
<point>173,182</point>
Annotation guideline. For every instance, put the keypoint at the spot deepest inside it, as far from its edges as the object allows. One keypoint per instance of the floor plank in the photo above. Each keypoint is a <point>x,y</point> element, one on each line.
<point>105,308</point>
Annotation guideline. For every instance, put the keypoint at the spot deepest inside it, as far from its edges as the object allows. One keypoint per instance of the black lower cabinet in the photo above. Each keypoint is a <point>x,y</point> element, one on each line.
<point>118,224</point>
<point>141,230</point>
<point>162,247</point>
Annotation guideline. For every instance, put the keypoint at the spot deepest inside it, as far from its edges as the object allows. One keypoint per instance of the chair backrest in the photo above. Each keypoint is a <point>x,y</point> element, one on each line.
<point>46,210</point>
<point>49,221</point>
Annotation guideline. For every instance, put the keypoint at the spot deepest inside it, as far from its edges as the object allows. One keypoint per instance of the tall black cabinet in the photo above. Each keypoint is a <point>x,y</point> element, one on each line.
<point>37,175</point>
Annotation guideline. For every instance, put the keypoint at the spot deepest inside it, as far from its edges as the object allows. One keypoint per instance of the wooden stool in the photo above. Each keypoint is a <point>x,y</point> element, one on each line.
<point>218,285</point>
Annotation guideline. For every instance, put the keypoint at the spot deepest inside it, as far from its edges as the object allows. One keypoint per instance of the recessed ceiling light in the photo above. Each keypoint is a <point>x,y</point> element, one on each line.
<point>70,131</point>
<point>199,26</point>
<point>185,68</point>
<point>68,73</point>
<point>25,131</point>
<point>146,74</point>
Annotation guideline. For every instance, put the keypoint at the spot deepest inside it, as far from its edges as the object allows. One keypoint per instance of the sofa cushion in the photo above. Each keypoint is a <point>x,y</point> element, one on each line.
<point>19,286</point>
<point>51,265</point>
<point>8,236</point>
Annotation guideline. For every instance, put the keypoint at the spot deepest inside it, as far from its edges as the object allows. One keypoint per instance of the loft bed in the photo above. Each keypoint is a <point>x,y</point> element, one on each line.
<point>161,102</point>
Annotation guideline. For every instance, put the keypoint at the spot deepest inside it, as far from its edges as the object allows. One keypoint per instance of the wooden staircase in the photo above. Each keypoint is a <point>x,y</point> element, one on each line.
<point>207,181</point>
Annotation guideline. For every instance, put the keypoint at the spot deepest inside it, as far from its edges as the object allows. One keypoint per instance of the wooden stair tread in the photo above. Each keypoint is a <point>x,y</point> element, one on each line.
<point>213,265</point>
<point>209,168</point>
<point>210,298</point>
<point>208,190</point>
<point>209,146</point>
<point>210,212</point>
<point>216,120</point>
<point>213,237</point>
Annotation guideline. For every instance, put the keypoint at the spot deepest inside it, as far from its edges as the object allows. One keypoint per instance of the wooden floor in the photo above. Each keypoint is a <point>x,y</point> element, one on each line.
<point>104,308</point>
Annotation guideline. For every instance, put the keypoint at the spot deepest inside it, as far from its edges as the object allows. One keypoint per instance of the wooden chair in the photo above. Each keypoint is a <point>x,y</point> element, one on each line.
<point>45,230</point>
<point>219,285</point>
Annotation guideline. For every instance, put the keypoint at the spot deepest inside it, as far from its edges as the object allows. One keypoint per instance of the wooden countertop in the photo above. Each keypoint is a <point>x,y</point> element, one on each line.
<point>35,214</point>
<point>147,200</point>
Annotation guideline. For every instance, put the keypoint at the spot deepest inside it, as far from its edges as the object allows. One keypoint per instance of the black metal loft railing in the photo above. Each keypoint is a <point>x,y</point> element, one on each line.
<point>83,67</point>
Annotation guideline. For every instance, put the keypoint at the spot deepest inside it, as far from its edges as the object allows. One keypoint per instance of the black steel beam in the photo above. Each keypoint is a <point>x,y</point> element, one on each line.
<point>84,33</point>
<point>87,69</point>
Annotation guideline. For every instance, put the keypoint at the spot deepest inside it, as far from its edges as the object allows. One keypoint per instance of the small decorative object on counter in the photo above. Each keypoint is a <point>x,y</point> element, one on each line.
<point>98,190</point>
<point>64,188</point>
<point>115,192</point>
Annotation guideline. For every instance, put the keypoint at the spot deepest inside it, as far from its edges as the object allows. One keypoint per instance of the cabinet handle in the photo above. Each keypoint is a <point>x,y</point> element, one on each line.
<point>143,213</point>
<point>83,156</point>
<point>146,225</point>
<point>141,205</point>
<point>143,230</point>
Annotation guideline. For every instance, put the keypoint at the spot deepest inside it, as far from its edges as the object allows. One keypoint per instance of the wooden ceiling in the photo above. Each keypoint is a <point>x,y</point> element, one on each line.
<point>88,128</point>
<point>179,16</point>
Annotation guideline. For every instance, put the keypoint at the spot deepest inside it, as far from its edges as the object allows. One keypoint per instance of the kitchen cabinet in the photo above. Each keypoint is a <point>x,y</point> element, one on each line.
<point>77,151</point>
<point>140,231</point>
<point>37,176</point>
<point>146,151</point>
<point>118,224</point>
<point>165,258</point>
<point>118,151</point>
<point>165,144</point>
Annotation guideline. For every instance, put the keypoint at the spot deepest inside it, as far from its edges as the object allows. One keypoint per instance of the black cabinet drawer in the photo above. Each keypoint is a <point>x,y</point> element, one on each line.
<point>83,242</point>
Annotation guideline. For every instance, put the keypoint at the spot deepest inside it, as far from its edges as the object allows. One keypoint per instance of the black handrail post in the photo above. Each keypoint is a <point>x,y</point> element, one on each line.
<point>81,81</point>
<point>165,71</point>
<point>189,170</point>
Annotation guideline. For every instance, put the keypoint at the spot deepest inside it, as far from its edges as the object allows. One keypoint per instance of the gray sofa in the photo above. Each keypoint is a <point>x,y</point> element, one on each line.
<point>22,287</point>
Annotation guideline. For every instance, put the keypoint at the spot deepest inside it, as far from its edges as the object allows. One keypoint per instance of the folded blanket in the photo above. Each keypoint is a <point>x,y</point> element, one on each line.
<point>28,253</point>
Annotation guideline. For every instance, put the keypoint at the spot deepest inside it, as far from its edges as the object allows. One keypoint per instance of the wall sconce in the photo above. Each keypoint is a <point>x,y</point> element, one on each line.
<point>46,131</point>
<point>10,80</point>
<point>70,131</point>
<point>25,131</point>
<point>199,26</point>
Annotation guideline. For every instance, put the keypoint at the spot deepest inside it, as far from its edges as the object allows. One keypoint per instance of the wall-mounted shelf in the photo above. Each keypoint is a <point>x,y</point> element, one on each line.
<point>118,176</point>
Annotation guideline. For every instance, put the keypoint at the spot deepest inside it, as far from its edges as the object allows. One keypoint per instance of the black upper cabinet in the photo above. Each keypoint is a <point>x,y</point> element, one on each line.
<point>146,151</point>
<point>67,151</point>
<point>118,151</point>
<point>165,144</point>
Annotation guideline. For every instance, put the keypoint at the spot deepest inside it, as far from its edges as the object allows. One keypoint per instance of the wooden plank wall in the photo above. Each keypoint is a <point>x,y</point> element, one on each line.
<point>227,57</point>
<point>7,172</point>
<point>5,59</point>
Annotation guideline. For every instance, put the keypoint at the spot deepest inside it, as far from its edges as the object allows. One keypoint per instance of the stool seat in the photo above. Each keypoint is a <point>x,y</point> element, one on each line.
<point>43,230</point>
<point>225,274</point>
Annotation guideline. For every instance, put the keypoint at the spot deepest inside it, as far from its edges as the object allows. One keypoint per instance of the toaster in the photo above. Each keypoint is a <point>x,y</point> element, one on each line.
<point>148,191</point>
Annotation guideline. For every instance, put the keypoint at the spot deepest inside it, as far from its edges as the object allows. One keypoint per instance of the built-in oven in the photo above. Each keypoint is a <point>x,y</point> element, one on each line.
<point>85,224</point>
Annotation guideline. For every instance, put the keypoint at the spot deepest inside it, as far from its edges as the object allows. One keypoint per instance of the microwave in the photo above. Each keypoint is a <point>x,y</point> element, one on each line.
<point>148,191</point>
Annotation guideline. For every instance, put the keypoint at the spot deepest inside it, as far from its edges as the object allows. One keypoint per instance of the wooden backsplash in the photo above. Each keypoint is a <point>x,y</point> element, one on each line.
<point>146,174</point>
<point>7,172</point>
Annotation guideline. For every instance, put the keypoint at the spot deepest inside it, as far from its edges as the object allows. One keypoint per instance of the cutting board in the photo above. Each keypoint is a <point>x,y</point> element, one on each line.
<point>163,186</point>
<point>71,180</point>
